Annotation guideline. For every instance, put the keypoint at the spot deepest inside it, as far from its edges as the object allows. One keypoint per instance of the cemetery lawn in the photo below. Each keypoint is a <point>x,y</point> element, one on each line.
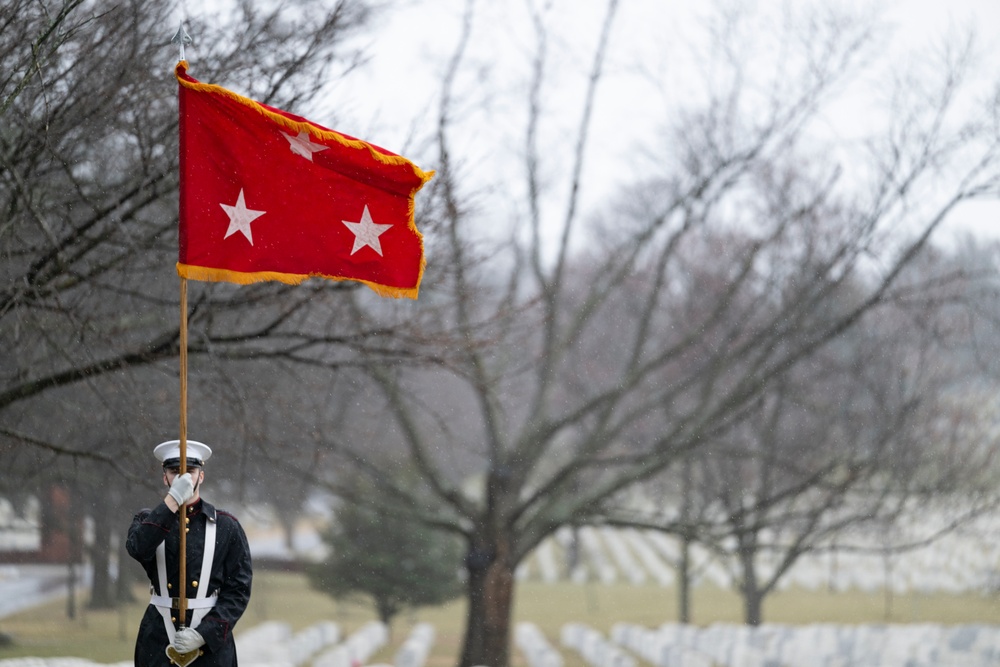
<point>107,636</point>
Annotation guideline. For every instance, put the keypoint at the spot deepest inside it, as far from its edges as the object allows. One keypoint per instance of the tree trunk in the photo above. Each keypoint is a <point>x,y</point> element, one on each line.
<point>887,587</point>
<point>684,568</point>
<point>129,574</point>
<point>101,589</point>
<point>684,583</point>
<point>573,553</point>
<point>386,611</point>
<point>288,531</point>
<point>490,597</point>
<point>102,593</point>
<point>753,602</point>
<point>753,596</point>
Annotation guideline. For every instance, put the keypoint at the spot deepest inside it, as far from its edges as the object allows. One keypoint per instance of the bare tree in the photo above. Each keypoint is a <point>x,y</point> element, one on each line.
<point>736,258</point>
<point>35,33</point>
<point>89,185</point>
<point>89,305</point>
<point>862,434</point>
<point>567,375</point>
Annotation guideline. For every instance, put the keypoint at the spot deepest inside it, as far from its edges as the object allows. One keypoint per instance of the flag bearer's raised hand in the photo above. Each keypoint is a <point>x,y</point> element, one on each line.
<point>182,489</point>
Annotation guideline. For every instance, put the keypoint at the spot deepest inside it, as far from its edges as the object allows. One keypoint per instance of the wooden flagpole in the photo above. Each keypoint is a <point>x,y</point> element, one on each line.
<point>182,660</point>
<point>182,511</point>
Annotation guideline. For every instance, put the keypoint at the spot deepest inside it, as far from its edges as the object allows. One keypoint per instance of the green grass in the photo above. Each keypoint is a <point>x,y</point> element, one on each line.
<point>107,636</point>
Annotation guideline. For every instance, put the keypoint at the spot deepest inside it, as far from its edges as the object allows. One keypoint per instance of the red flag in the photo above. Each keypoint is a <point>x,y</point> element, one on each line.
<point>268,195</point>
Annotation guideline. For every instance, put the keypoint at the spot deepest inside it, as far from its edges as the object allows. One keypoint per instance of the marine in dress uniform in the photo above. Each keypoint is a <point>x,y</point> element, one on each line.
<point>219,571</point>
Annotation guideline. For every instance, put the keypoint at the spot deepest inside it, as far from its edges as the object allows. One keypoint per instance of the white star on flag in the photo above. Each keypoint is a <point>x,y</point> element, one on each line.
<point>302,145</point>
<point>240,218</point>
<point>366,232</point>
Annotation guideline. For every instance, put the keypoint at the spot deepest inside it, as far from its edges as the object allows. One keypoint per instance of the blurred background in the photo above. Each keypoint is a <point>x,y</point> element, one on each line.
<point>707,332</point>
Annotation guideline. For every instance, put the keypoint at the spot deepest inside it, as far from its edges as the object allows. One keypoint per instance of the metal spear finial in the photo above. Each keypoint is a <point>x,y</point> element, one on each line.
<point>180,38</point>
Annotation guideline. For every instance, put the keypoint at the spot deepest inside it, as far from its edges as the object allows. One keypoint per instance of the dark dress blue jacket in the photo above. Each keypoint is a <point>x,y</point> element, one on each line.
<point>232,575</point>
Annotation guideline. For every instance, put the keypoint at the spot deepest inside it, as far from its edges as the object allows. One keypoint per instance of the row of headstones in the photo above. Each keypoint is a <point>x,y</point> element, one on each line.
<point>255,646</point>
<point>593,647</point>
<point>638,556</point>
<point>356,649</point>
<point>59,662</point>
<point>822,645</point>
<point>416,647</point>
<point>604,569</point>
<point>726,645</point>
<point>272,643</point>
<point>535,646</point>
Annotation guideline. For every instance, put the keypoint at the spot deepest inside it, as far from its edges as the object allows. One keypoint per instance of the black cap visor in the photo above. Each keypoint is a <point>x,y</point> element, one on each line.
<point>176,463</point>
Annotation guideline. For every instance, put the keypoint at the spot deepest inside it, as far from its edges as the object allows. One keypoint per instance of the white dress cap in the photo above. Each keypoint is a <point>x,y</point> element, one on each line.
<point>169,453</point>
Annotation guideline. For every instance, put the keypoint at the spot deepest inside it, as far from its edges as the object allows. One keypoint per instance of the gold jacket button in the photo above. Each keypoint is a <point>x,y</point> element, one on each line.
<point>173,619</point>
<point>170,585</point>
<point>194,584</point>
<point>187,530</point>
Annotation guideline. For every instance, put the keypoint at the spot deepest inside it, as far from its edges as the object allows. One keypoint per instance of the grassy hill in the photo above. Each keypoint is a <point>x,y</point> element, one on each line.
<point>107,636</point>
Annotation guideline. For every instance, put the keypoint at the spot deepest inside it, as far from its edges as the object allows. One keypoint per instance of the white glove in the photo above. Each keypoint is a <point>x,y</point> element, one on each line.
<point>188,640</point>
<point>182,490</point>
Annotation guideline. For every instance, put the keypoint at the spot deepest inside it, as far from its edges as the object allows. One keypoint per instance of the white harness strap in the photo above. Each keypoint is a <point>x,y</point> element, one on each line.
<point>161,573</point>
<point>201,603</point>
<point>206,575</point>
<point>173,603</point>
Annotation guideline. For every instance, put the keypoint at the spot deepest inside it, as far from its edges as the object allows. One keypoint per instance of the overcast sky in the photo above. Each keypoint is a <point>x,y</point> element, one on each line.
<point>411,40</point>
